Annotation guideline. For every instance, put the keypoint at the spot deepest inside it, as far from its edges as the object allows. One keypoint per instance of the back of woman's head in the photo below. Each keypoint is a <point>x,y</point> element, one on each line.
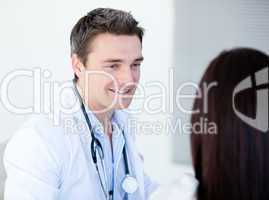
<point>233,164</point>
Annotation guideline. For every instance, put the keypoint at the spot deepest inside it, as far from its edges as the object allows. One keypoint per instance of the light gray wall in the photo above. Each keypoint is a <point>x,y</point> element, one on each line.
<point>2,173</point>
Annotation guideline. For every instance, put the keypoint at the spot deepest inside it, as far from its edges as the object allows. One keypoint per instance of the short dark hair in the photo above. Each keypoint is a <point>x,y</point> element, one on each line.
<point>234,163</point>
<point>101,20</point>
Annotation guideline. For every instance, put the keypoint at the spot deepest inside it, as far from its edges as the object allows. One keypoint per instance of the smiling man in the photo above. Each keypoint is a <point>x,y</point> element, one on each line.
<point>44,162</point>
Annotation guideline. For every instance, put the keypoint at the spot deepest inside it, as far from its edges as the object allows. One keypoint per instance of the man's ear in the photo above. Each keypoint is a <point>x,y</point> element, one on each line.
<point>77,65</point>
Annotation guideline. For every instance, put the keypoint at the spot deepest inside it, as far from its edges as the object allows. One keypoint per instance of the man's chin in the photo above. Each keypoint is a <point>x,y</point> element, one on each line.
<point>121,106</point>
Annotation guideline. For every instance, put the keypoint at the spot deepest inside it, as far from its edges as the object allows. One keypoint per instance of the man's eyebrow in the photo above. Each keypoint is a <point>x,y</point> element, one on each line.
<point>139,59</point>
<point>113,60</point>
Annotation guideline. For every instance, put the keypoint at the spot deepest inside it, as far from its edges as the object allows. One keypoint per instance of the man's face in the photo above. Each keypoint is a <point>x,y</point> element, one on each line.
<point>112,71</point>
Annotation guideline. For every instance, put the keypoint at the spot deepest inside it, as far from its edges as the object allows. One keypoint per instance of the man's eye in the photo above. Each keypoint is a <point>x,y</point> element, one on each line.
<point>136,65</point>
<point>112,66</point>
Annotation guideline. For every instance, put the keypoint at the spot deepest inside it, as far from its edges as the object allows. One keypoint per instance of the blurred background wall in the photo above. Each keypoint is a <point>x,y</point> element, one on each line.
<point>182,36</point>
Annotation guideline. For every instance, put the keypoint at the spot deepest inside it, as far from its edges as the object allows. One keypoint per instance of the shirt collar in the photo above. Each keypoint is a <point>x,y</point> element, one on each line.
<point>118,120</point>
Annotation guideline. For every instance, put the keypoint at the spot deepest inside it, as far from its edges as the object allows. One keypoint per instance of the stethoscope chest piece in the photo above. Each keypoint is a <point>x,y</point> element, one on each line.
<point>129,184</point>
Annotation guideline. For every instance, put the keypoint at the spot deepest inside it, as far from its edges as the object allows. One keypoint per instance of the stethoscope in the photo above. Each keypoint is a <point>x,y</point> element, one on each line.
<point>129,183</point>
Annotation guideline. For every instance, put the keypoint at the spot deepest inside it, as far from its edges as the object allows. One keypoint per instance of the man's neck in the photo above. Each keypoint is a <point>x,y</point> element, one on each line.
<point>104,117</point>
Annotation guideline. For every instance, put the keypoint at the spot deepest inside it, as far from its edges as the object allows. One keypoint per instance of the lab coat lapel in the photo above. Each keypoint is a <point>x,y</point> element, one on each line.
<point>95,186</point>
<point>77,123</point>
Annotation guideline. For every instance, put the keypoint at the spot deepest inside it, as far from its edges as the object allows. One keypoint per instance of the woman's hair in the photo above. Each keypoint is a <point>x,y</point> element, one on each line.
<point>232,164</point>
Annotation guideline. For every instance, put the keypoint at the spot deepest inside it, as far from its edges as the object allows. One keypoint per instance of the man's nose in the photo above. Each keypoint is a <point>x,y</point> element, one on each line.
<point>125,76</point>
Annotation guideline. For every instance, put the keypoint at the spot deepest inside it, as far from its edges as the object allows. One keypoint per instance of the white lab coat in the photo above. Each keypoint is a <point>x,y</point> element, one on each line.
<point>48,162</point>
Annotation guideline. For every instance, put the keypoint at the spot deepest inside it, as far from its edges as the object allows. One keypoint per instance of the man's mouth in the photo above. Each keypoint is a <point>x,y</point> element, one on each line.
<point>122,92</point>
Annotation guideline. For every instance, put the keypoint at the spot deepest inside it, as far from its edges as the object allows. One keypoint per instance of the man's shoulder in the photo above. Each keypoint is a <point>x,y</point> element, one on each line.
<point>38,133</point>
<point>42,126</point>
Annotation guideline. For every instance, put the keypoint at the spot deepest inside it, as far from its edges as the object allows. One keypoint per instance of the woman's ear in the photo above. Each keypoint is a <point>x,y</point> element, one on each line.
<point>77,65</point>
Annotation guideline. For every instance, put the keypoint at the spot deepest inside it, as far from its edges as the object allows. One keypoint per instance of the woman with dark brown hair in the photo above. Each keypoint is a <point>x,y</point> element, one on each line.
<point>233,164</point>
